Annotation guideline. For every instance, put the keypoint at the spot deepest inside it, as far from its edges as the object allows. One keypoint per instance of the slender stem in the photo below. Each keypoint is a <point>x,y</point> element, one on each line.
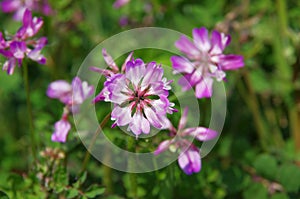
<point>249,96</point>
<point>29,111</point>
<point>295,126</point>
<point>132,176</point>
<point>87,153</point>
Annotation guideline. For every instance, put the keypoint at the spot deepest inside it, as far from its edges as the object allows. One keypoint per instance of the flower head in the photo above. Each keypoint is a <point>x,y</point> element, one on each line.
<point>19,7</point>
<point>72,95</point>
<point>189,158</point>
<point>205,61</point>
<point>139,96</point>
<point>62,128</point>
<point>120,3</point>
<point>31,26</point>
<point>22,45</point>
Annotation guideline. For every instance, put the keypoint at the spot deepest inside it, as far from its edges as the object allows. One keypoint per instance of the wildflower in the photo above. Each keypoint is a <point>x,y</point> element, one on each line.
<point>205,61</point>
<point>139,95</point>
<point>19,7</point>
<point>62,128</point>
<point>120,3</point>
<point>21,45</point>
<point>189,158</point>
<point>72,95</point>
<point>109,73</point>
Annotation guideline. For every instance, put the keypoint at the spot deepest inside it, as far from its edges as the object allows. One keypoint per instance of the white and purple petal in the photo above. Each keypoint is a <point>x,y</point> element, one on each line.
<point>61,90</point>
<point>109,60</point>
<point>230,62</point>
<point>121,115</point>
<point>62,128</point>
<point>139,124</point>
<point>190,161</point>
<point>200,133</point>
<point>182,65</point>
<point>163,146</point>
<point>135,71</point>
<point>204,89</point>
<point>201,39</point>
<point>187,47</point>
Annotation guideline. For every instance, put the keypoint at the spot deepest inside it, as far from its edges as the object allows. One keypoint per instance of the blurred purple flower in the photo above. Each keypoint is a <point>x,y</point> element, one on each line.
<point>72,95</point>
<point>19,7</point>
<point>30,27</point>
<point>120,3</point>
<point>21,45</point>
<point>123,21</point>
<point>189,158</point>
<point>62,128</point>
<point>205,61</point>
<point>140,96</point>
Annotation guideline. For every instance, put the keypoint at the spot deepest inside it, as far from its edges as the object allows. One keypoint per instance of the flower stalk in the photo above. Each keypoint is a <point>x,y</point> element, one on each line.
<point>87,153</point>
<point>132,176</point>
<point>29,112</point>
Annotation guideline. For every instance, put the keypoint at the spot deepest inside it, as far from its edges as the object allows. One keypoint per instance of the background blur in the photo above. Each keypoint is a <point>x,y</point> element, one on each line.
<point>258,153</point>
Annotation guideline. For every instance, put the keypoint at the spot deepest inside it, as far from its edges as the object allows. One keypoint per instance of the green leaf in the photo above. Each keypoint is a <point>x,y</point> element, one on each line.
<point>266,165</point>
<point>3,195</point>
<point>288,176</point>
<point>279,196</point>
<point>83,177</point>
<point>256,191</point>
<point>94,191</point>
<point>71,193</point>
<point>60,179</point>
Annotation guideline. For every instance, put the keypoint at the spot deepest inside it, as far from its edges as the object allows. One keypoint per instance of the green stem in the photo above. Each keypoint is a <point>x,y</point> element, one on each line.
<point>274,125</point>
<point>295,126</point>
<point>250,98</point>
<point>132,176</point>
<point>29,111</point>
<point>87,153</point>
<point>282,14</point>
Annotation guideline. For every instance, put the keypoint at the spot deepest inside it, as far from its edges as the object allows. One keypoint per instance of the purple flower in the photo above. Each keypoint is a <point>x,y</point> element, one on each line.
<point>21,45</point>
<point>30,27</point>
<point>189,158</point>
<point>109,73</point>
<point>205,61</point>
<point>120,3</point>
<point>3,44</point>
<point>62,128</point>
<point>72,95</point>
<point>19,7</point>
<point>140,97</point>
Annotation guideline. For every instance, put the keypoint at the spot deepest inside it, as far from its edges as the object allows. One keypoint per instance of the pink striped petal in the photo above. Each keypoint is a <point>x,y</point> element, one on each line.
<point>182,65</point>
<point>204,88</point>
<point>190,161</point>
<point>201,39</point>
<point>187,47</point>
<point>200,133</point>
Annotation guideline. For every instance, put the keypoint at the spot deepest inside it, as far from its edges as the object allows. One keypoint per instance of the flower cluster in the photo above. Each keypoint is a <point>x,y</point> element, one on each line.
<point>205,61</point>
<point>120,3</point>
<point>19,7</point>
<point>72,95</point>
<point>189,155</point>
<point>139,94</point>
<point>22,45</point>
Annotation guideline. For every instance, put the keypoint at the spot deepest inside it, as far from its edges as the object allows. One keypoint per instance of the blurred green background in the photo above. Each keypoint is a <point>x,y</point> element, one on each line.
<point>258,153</point>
